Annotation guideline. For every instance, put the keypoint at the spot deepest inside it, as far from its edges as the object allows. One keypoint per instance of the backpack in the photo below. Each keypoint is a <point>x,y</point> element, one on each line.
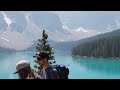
<point>63,71</point>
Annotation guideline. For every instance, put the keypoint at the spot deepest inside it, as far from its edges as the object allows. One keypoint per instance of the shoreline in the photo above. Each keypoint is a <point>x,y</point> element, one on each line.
<point>77,56</point>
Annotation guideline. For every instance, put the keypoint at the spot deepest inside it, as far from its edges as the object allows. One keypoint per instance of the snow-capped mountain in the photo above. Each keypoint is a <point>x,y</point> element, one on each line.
<point>3,24</point>
<point>95,20</point>
<point>78,33</point>
<point>19,29</point>
<point>15,20</point>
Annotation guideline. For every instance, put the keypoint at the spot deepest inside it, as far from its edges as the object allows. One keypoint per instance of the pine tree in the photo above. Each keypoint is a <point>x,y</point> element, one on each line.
<point>43,46</point>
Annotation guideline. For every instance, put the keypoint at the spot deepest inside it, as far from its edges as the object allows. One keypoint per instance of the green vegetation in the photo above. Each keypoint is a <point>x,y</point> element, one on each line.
<point>102,47</point>
<point>43,46</point>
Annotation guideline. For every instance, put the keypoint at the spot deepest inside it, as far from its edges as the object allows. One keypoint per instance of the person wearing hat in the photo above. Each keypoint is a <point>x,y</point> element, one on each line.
<point>48,72</point>
<point>24,70</point>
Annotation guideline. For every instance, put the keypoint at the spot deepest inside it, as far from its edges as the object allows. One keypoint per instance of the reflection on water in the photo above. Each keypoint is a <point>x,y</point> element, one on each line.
<point>100,66</point>
<point>8,63</point>
<point>80,68</point>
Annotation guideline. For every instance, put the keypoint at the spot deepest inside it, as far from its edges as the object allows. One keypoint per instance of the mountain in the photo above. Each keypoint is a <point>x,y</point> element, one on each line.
<point>94,20</point>
<point>78,33</point>
<point>71,44</point>
<point>16,20</point>
<point>42,19</point>
<point>19,30</point>
<point>103,35</point>
<point>47,21</point>
<point>52,43</point>
<point>7,50</point>
<point>102,47</point>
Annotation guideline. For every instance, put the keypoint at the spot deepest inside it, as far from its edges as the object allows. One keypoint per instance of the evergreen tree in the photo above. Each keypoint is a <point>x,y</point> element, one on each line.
<point>102,47</point>
<point>43,46</point>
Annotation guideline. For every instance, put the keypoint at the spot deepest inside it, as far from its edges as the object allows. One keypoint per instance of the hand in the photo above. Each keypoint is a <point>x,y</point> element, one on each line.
<point>28,77</point>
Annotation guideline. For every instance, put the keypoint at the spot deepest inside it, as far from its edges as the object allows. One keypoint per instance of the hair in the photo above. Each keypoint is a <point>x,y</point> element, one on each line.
<point>23,73</point>
<point>44,55</point>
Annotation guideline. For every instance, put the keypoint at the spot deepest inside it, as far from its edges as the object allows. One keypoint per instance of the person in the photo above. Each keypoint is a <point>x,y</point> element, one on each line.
<point>24,70</point>
<point>48,72</point>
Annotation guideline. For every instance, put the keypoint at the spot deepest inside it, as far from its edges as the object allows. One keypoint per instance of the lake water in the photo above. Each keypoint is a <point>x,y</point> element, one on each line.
<point>80,68</point>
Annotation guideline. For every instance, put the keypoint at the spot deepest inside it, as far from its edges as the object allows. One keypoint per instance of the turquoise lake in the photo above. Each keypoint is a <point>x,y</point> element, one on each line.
<point>80,68</point>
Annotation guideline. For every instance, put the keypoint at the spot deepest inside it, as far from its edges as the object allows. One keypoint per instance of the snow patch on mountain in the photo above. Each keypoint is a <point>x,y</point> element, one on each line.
<point>4,39</point>
<point>78,33</point>
<point>7,20</point>
<point>114,26</point>
<point>80,29</point>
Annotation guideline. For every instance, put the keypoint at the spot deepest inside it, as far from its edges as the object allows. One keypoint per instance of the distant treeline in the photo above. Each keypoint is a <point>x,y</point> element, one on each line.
<point>102,47</point>
<point>6,50</point>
